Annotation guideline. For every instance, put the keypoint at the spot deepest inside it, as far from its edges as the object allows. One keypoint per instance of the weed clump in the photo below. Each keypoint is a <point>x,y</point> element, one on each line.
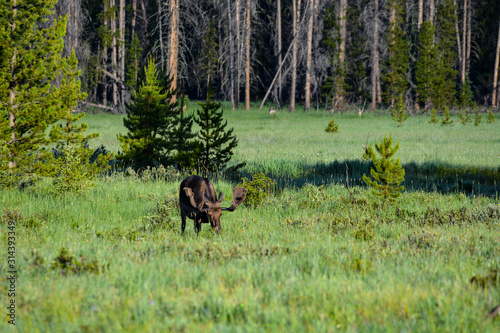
<point>259,188</point>
<point>68,264</point>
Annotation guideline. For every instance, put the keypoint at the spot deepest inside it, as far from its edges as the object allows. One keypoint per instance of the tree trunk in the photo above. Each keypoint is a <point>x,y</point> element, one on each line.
<point>247,71</point>
<point>494,101</point>
<point>464,47</point>
<point>459,43</point>
<point>296,22</point>
<point>375,59</point>
<point>238,56</point>
<point>121,50</point>
<point>232,64</point>
<point>343,37</point>
<point>134,18</point>
<point>432,10</point>
<point>469,37</point>
<point>307,103</point>
<point>420,13</point>
<point>114,54</point>
<point>278,19</point>
<point>174,43</point>
<point>105,59</point>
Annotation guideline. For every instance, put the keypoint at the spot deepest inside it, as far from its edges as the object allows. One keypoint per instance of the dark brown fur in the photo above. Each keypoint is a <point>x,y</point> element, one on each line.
<point>198,201</point>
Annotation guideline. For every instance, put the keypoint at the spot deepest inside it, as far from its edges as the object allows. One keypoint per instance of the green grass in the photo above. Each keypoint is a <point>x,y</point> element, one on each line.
<point>311,258</point>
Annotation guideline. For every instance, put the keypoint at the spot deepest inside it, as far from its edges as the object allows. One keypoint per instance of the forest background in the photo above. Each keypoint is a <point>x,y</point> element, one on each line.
<point>427,54</point>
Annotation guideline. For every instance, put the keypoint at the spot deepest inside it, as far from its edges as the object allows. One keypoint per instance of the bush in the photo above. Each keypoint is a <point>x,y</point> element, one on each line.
<point>259,188</point>
<point>332,127</point>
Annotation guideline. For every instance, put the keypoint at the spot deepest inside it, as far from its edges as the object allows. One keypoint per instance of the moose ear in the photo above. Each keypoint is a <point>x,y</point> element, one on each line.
<point>221,197</point>
<point>239,195</point>
<point>190,195</point>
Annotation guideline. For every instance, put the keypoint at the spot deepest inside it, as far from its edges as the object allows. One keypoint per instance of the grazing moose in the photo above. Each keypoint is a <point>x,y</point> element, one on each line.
<point>199,202</point>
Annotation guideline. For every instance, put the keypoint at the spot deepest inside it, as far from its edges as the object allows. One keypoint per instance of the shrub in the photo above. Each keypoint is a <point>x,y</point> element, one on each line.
<point>446,117</point>
<point>388,173</point>
<point>491,117</point>
<point>477,118</point>
<point>332,127</point>
<point>259,188</point>
<point>67,263</point>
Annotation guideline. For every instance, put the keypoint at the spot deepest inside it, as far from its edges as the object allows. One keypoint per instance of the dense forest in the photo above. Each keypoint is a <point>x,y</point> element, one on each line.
<point>427,54</point>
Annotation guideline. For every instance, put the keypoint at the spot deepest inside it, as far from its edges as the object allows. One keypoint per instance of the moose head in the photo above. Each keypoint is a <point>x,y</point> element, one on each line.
<point>199,202</point>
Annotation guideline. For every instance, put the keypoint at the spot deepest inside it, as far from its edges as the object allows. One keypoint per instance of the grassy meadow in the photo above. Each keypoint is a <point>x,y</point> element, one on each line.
<point>321,254</point>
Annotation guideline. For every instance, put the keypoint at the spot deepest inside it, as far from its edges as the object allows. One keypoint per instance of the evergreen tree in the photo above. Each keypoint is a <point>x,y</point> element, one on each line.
<point>491,117</point>
<point>426,65</point>
<point>465,98</point>
<point>30,61</point>
<point>434,119</point>
<point>399,112</point>
<point>388,173</point>
<point>399,52</point>
<point>332,127</point>
<point>444,90</point>
<point>134,56</point>
<point>334,82</point>
<point>446,117</point>
<point>465,117</point>
<point>209,51</point>
<point>150,122</point>
<point>477,118</point>
<point>74,169</point>
<point>215,142</point>
<point>186,149</point>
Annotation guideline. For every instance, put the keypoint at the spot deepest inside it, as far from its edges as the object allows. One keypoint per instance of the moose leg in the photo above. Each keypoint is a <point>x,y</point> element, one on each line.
<point>197,223</point>
<point>183,225</point>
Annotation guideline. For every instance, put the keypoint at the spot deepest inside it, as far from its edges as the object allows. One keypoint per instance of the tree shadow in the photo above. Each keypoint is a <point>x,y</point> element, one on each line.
<point>439,177</point>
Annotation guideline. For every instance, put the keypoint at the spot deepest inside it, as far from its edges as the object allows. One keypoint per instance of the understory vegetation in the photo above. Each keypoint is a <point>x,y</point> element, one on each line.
<point>315,250</point>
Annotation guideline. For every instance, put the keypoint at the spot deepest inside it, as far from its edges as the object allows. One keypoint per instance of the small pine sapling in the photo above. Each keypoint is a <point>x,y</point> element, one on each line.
<point>491,117</point>
<point>434,119</point>
<point>399,113</point>
<point>477,118</point>
<point>388,173</point>
<point>465,117</point>
<point>446,117</point>
<point>332,127</point>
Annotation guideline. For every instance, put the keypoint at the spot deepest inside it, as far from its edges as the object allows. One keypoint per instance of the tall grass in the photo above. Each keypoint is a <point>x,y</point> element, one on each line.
<point>322,257</point>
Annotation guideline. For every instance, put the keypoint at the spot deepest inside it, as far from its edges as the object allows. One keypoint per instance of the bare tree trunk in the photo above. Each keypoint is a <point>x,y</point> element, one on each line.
<point>494,101</point>
<point>105,59</point>
<point>432,10</point>
<point>174,43</point>
<point>420,13</point>
<point>375,59</point>
<point>307,103</point>
<point>121,50</point>
<point>457,32</point>
<point>469,37</point>
<point>232,64</point>
<point>278,19</point>
<point>114,56</point>
<point>343,37</point>
<point>238,56</point>
<point>464,47</point>
<point>134,18</point>
<point>296,21</point>
<point>247,71</point>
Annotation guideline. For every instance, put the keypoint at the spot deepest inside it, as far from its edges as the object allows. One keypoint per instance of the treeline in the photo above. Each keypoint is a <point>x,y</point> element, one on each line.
<point>427,53</point>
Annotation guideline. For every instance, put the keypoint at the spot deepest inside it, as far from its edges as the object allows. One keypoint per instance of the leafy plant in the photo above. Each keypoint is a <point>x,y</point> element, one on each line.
<point>259,188</point>
<point>332,127</point>
<point>388,173</point>
<point>399,112</point>
<point>491,117</point>
<point>67,263</point>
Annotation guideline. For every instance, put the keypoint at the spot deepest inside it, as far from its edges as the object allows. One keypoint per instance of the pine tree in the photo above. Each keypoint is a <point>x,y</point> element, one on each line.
<point>74,170</point>
<point>434,119</point>
<point>332,127</point>
<point>399,112</point>
<point>491,117</point>
<point>465,98</point>
<point>134,56</point>
<point>446,117</point>
<point>444,90</point>
<point>186,149</point>
<point>399,51</point>
<point>477,118</point>
<point>150,123</point>
<point>215,142</point>
<point>388,173</point>
<point>426,65</point>
<point>465,117</point>
<point>30,61</point>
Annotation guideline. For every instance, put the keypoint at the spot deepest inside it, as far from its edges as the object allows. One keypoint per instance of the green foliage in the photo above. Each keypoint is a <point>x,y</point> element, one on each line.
<point>186,149</point>
<point>465,98</point>
<point>399,56</point>
<point>332,127</point>
<point>477,118</point>
<point>465,117</point>
<point>215,143</point>
<point>30,60</point>
<point>491,117</point>
<point>334,84</point>
<point>426,65</point>
<point>433,119</point>
<point>133,58</point>
<point>259,188</point>
<point>388,173</point>
<point>399,112</point>
<point>210,53</point>
<point>446,117</point>
<point>150,121</point>
<point>66,263</point>
<point>363,231</point>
